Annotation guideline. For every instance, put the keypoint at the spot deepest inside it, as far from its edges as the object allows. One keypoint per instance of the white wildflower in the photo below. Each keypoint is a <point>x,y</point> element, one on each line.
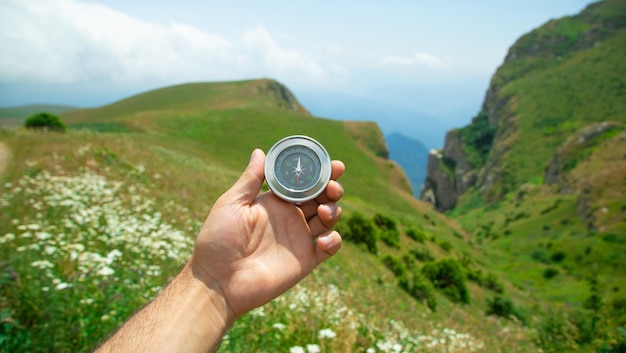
<point>42,264</point>
<point>63,285</point>
<point>327,333</point>
<point>313,348</point>
<point>279,326</point>
<point>296,349</point>
<point>106,271</point>
<point>7,238</point>
<point>258,312</point>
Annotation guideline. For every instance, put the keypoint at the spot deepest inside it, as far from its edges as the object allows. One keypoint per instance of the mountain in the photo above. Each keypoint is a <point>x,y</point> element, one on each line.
<point>531,256</point>
<point>412,156</point>
<point>95,220</point>
<point>537,178</point>
<point>556,81</point>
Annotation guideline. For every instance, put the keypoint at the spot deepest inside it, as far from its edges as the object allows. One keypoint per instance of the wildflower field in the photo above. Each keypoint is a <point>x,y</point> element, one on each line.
<point>88,238</point>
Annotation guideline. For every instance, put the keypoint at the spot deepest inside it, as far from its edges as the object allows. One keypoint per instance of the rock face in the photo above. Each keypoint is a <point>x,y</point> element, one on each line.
<point>281,95</point>
<point>586,165</point>
<point>533,110</point>
<point>449,173</point>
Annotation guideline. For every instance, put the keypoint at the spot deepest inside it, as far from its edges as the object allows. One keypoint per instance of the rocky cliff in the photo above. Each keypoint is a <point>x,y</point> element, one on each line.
<point>555,80</point>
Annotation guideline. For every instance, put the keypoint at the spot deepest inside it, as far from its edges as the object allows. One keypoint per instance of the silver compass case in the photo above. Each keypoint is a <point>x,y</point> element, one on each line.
<point>297,168</point>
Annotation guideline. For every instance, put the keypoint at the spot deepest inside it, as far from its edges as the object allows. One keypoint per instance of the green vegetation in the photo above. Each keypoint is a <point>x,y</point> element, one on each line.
<point>94,221</point>
<point>448,275</point>
<point>44,121</point>
<point>387,230</point>
<point>477,139</point>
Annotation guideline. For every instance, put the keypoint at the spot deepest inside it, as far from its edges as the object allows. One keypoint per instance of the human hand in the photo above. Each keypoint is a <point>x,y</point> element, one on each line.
<point>252,248</point>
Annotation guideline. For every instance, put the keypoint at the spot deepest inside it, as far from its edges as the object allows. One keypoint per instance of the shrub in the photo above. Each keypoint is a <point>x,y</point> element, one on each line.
<point>492,282</point>
<point>449,276</point>
<point>500,306</point>
<point>540,255</point>
<point>388,232</point>
<point>446,245</point>
<point>550,273</point>
<point>361,230</point>
<point>422,254</point>
<point>422,289</point>
<point>475,275</point>
<point>558,256</point>
<point>395,265</point>
<point>416,234</point>
<point>45,121</point>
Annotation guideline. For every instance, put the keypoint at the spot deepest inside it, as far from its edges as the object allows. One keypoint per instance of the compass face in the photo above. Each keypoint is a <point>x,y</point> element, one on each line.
<point>297,168</point>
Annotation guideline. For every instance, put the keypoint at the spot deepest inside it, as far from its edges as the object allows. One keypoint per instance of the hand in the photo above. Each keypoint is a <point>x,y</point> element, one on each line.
<point>253,248</point>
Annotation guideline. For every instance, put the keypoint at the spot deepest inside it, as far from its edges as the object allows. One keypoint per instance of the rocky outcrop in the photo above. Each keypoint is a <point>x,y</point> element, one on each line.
<point>568,155</point>
<point>449,173</point>
<point>281,96</point>
<point>517,108</point>
<point>586,165</point>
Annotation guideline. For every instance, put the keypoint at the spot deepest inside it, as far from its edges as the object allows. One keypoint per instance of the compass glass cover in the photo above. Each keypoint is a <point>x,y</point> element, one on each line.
<point>297,168</point>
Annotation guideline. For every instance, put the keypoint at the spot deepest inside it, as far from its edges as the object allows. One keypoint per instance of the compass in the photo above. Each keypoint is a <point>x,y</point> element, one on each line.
<point>297,168</point>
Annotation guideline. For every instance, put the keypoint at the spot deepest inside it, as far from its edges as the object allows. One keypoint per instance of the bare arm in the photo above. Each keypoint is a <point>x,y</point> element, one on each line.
<point>250,250</point>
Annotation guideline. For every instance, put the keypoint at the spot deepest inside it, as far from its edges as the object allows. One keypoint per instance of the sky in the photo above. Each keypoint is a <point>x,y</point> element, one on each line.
<point>417,67</point>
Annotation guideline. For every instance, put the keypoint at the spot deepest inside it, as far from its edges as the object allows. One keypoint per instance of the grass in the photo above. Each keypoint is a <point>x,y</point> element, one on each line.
<point>554,101</point>
<point>132,197</point>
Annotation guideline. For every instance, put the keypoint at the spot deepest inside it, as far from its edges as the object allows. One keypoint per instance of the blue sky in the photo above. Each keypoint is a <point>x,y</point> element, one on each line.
<point>431,58</point>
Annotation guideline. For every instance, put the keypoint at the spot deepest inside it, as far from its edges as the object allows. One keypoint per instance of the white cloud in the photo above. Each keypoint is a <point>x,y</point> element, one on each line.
<point>65,41</point>
<point>261,47</point>
<point>423,60</point>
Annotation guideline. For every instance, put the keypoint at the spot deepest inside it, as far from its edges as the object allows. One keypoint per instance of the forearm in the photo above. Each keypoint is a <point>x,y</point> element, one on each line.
<point>187,317</point>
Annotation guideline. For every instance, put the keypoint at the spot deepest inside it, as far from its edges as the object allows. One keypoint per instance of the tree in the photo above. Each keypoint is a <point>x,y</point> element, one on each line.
<point>45,121</point>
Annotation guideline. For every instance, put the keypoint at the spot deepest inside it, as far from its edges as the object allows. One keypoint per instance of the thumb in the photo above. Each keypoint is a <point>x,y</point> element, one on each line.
<point>250,182</point>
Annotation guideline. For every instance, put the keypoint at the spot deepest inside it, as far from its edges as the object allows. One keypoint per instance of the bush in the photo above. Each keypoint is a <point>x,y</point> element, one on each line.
<point>558,256</point>
<point>492,282</point>
<point>415,234</point>
<point>422,289</point>
<point>388,232</point>
<point>45,121</point>
<point>449,276</point>
<point>541,255</point>
<point>361,230</point>
<point>550,273</point>
<point>475,275</point>
<point>500,306</point>
<point>395,265</point>
<point>422,254</point>
<point>446,245</point>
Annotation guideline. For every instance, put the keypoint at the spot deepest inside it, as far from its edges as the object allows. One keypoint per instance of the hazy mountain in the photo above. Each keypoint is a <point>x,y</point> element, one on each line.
<point>411,155</point>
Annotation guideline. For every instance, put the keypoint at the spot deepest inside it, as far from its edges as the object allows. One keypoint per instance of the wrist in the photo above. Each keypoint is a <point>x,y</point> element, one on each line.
<point>212,294</point>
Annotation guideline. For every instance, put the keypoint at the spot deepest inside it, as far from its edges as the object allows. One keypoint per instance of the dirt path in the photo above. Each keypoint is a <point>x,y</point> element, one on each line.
<point>4,157</point>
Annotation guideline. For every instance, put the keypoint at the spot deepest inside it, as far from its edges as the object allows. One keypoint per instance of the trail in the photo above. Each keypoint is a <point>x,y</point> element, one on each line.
<point>4,157</point>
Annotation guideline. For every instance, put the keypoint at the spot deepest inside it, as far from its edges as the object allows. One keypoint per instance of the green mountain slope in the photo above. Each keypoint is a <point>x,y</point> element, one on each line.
<point>95,220</point>
<point>537,177</point>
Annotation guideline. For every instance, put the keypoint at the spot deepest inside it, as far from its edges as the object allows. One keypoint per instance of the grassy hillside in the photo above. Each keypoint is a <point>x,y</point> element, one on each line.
<point>94,222</point>
<point>549,206</point>
<point>13,117</point>
<point>25,111</point>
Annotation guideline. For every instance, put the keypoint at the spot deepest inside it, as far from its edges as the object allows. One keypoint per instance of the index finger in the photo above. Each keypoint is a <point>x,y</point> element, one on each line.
<point>333,188</point>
